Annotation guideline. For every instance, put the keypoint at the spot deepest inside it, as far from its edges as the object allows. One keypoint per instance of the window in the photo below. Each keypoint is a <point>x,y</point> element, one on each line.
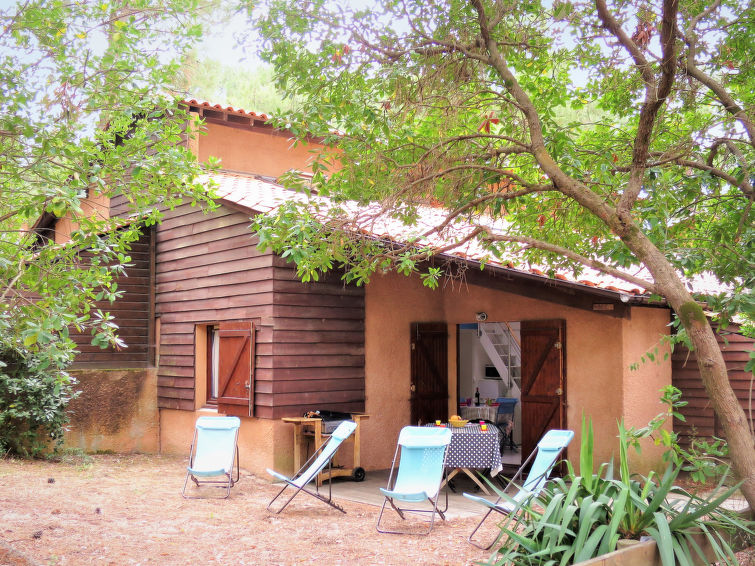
<point>213,356</point>
<point>228,349</point>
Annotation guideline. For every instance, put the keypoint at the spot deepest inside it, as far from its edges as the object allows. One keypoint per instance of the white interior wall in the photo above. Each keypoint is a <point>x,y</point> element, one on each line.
<point>472,362</point>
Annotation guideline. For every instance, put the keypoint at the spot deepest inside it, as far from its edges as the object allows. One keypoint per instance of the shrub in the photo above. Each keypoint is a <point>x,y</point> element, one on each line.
<point>34,394</point>
<point>579,517</point>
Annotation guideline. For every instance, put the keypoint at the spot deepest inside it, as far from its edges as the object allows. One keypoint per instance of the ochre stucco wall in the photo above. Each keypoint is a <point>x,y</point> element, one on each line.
<point>596,363</point>
<point>117,410</point>
<point>94,206</point>
<point>263,153</point>
<point>263,443</point>
<point>642,386</point>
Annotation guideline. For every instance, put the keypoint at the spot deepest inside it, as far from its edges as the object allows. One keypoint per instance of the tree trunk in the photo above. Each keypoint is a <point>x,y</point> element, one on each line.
<point>710,360</point>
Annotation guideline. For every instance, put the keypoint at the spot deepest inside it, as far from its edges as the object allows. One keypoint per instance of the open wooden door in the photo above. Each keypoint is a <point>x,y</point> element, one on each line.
<point>429,372</point>
<point>543,380</point>
<point>236,368</point>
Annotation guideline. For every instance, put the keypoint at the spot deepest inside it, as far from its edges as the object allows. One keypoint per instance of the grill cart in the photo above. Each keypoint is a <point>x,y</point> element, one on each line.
<point>317,426</point>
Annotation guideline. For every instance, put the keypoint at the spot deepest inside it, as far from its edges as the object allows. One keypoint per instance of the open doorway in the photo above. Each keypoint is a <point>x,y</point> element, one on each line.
<point>490,364</point>
<point>520,364</point>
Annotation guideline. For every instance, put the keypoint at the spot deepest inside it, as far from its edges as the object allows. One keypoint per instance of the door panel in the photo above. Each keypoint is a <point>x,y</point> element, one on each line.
<point>236,368</point>
<point>429,372</point>
<point>543,380</point>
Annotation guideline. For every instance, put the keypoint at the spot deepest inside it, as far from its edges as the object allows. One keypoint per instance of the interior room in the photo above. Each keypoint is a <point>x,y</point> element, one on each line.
<point>490,364</point>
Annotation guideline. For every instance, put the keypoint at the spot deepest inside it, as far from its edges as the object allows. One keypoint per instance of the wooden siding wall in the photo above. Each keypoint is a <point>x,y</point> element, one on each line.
<point>317,348</point>
<point>208,270</point>
<point>132,314</point>
<point>310,337</point>
<point>119,205</point>
<point>701,420</point>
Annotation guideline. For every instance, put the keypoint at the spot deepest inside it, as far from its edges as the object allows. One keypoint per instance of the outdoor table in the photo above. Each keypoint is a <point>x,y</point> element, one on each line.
<point>484,412</point>
<point>473,448</point>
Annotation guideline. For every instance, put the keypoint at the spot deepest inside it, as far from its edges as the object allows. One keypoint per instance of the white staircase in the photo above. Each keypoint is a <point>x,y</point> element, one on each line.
<point>504,351</point>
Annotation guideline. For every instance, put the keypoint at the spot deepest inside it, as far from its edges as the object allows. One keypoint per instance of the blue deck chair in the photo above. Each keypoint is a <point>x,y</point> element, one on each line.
<point>550,447</point>
<point>322,457</point>
<point>213,453</point>
<point>422,452</point>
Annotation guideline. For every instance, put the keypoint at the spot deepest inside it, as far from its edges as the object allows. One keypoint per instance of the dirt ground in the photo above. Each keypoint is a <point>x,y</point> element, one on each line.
<point>128,509</point>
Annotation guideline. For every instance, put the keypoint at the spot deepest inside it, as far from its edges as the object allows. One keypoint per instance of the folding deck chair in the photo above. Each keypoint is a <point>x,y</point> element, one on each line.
<point>322,457</point>
<point>550,447</point>
<point>212,454</point>
<point>421,467</point>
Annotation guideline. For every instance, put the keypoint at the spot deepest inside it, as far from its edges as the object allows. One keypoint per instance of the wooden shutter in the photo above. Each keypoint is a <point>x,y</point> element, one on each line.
<point>543,380</point>
<point>236,368</point>
<point>429,372</point>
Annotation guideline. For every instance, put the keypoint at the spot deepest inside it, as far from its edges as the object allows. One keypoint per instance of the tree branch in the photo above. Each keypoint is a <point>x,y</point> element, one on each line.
<point>655,93</point>
<point>586,261</point>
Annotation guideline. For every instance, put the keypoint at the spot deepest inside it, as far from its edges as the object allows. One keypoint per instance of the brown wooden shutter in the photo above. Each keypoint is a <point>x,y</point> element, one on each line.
<point>236,368</point>
<point>429,372</point>
<point>543,395</point>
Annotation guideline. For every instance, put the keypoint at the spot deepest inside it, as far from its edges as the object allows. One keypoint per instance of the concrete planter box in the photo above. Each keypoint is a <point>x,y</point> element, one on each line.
<point>637,553</point>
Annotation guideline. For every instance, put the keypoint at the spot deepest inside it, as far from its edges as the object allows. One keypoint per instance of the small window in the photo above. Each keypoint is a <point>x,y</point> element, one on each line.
<point>213,357</point>
<point>228,349</point>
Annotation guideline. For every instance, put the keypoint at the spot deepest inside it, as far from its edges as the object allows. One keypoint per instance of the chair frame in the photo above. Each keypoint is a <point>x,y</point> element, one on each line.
<point>289,482</point>
<point>228,482</point>
<point>443,485</point>
<point>540,479</point>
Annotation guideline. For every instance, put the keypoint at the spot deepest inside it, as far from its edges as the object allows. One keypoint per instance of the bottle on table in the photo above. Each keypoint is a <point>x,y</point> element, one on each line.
<point>477,397</point>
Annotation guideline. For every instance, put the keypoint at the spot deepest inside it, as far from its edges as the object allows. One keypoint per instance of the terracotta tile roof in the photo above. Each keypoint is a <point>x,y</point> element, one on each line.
<point>263,196</point>
<point>227,109</point>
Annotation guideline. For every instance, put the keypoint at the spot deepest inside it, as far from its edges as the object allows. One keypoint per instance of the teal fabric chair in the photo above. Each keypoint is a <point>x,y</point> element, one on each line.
<point>421,453</point>
<point>548,450</point>
<point>214,454</point>
<point>322,457</point>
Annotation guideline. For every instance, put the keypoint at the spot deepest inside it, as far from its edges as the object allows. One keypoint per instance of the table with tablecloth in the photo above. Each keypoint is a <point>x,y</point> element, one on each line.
<point>474,448</point>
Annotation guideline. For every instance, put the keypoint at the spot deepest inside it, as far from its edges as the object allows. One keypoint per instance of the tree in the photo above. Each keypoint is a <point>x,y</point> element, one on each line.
<point>253,90</point>
<point>86,112</point>
<point>610,137</point>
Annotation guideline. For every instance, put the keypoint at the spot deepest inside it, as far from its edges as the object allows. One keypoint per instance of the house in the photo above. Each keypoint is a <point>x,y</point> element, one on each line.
<point>214,325</point>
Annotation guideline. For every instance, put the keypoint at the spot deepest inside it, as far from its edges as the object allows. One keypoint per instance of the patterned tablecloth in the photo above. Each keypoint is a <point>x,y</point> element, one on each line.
<point>484,412</point>
<point>472,447</point>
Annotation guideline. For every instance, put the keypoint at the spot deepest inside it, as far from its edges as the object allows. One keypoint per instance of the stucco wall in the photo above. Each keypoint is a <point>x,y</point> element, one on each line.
<point>94,206</point>
<point>263,443</point>
<point>117,410</point>
<point>642,385</point>
<point>261,152</point>
<point>598,348</point>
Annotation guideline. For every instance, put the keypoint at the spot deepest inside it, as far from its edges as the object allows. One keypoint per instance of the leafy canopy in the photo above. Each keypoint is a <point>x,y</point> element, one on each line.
<point>87,115</point>
<point>425,111</point>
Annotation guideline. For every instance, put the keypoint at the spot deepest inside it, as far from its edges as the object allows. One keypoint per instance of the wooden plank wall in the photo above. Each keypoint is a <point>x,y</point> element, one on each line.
<point>208,270</point>
<point>132,314</point>
<point>317,348</point>
<point>310,337</point>
<point>119,205</point>
<point>701,420</point>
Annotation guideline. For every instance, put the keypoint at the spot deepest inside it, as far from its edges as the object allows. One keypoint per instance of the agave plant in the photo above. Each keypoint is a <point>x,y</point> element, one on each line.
<point>579,517</point>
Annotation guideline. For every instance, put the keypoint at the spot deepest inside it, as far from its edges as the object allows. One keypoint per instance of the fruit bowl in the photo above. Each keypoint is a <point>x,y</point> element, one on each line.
<point>458,423</point>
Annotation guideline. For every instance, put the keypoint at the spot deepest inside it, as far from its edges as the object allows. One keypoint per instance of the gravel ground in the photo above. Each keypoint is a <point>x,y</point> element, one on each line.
<point>128,509</point>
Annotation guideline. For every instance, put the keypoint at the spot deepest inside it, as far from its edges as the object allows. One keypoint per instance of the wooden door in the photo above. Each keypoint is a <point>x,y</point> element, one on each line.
<point>429,372</point>
<point>236,368</point>
<point>543,380</point>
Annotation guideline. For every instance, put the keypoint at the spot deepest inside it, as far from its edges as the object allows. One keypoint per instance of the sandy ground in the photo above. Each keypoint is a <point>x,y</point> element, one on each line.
<point>126,509</point>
